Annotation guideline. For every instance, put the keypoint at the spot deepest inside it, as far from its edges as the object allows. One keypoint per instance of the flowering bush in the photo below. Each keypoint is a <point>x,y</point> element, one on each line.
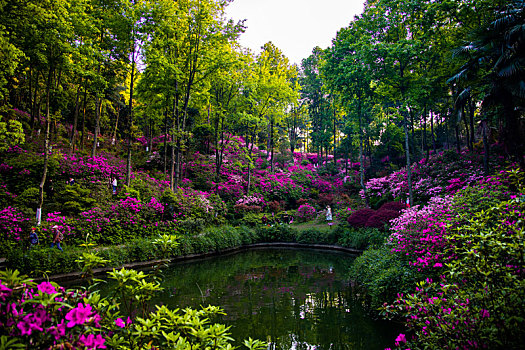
<point>306,212</point>
<point>12,223</point>
<point>474,243</point>
<point>46,316</point>
<point>381,218</point>
<point>360,217</point>
<point>419,233</point>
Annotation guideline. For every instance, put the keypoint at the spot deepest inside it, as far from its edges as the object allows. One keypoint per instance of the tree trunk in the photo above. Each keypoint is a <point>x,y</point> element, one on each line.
<point>361,155</point>
<point>83,121</point>
<point>46,149</point>
<point>97,125</point>
<point>432,132</point>
<point>407,153</point>
<point>467,133</point>
<point>130,119</point>
<point>486,148</point>
<point>271,146</point>
<point>458,146</point>
<point>75,115</point>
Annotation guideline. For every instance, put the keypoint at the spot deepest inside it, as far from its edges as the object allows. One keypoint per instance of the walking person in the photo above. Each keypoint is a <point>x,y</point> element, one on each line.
<point>58,236</point>
<point>33,238</point>
<point>329,216</point>
<point>114,184</point>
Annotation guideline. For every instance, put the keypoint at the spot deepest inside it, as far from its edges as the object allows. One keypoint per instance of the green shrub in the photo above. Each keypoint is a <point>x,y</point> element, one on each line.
<point>316,236</point>
<point>276,233</point>
<point>360,238</point>
<point>383,275</point>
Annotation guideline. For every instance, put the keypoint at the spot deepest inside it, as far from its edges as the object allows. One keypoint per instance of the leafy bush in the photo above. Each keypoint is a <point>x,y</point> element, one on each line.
<point>46,316</point>
<point>276,233</point>
<point>383,275</point>
<point>316,236</point>
<point>360,238</point>
<point>360,217</point>
<point>478,301</point>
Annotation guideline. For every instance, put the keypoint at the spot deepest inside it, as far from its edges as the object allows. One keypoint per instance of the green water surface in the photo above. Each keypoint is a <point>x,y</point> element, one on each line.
<point>294,299</point>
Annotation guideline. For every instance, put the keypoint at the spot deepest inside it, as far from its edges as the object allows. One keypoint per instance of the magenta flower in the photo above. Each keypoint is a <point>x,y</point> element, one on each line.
<point>46,287</point>
<point>92,341</point>
<point>119,322</point>
<point>4,291</point>
<point>78,315</point>
<point>401,339</point>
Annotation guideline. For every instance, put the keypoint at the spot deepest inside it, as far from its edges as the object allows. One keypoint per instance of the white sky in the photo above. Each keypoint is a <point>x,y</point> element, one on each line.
<point>294,26</point>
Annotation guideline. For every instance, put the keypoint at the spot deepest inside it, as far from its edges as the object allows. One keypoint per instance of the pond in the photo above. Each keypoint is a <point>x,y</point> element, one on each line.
<point>292,298</point>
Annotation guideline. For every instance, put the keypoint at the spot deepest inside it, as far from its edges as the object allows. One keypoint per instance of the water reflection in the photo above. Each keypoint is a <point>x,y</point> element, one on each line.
<point>294,299</point>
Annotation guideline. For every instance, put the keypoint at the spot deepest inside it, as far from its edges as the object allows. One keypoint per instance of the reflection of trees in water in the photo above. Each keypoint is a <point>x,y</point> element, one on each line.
<point>292,298</point>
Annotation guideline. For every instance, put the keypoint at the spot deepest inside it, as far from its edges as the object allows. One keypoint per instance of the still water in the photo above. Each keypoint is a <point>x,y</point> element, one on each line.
<point>294,299</point>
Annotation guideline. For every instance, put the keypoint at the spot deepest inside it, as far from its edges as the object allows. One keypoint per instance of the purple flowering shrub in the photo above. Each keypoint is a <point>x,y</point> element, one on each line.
<point>381,218</point>
<point>46,316</point>
<point>474,245</point>
<point>306,212</point>
<point>419,233</point>
<point>360,217</point>
<point>12,224</point>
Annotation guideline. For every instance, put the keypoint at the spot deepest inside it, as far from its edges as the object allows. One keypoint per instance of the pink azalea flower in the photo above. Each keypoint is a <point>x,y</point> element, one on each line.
<point>92,341</point>
<point>78,315</point>
<point>46,287</point>
<point>120,323</point>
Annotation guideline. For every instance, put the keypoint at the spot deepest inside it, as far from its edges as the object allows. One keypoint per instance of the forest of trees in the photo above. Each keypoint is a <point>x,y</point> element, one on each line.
<point>404,79</point>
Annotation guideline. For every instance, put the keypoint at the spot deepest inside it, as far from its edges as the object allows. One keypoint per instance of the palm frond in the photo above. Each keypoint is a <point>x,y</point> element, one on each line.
<point>503,22</point>
<point>470,47</point>
<point>510,69</point>
<point>462,98</point>
<point>462,74</point>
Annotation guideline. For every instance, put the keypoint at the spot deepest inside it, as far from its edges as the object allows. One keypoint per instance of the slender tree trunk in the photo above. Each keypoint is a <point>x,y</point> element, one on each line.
<point>486,148</point>
<point>407,153</point>
<point>75,115</point>
<point>432,132</point>
<point>130,120</point>
<point>458,146</point>
<point>271,146</point>
<point>114,133</point>
<point>173,156</point>
<point>472,108</point>
<point>82,137</point>
<point>361,155</point>
<point>335,141</point>
<point>46,149</point>
<point>165,156</point>
<point>467,133</point>
<point>97,125</point>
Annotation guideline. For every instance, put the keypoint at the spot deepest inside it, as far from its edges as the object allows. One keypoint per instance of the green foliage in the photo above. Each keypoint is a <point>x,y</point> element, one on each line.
<point>166,243</point>
<point>128,191</point>
<point>360,238</point>
<point>317,236</point>
<point>11,133</point>
<point>383,275</point>
<point>75,199</point>
<point>275,233</point>
<point>27,201</point>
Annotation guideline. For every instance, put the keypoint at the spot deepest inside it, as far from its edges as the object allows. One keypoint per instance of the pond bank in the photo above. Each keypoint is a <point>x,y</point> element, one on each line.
<point>71,276</point>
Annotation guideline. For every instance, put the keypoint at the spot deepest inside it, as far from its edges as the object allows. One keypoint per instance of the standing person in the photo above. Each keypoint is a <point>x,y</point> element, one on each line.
<point>114,184</point>
<point>33,238</point>
<point>58,236</point>
<point>328,215</point>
